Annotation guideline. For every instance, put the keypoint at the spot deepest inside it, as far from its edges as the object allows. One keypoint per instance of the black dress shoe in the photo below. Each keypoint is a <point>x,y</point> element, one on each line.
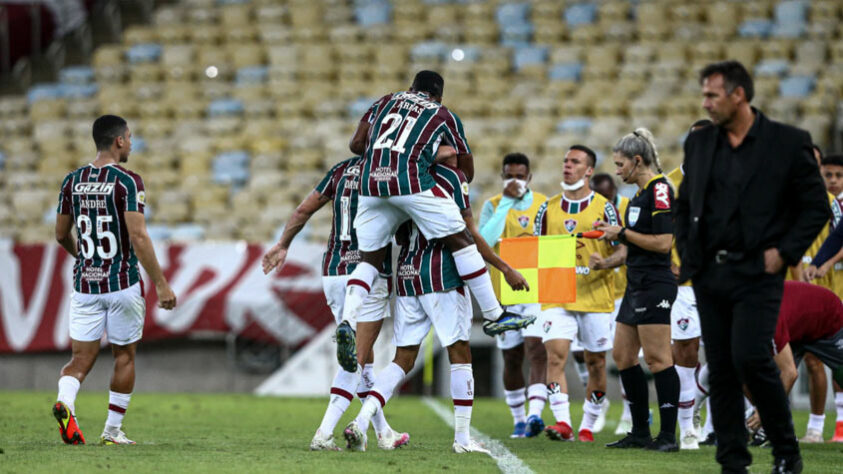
<point>631,441</point>
<point>663,443</point>
<point>787,466</point>
<point>710,440</point>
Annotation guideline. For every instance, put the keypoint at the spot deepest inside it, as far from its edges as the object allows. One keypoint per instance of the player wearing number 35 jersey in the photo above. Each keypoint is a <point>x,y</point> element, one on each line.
<point>106,202</point>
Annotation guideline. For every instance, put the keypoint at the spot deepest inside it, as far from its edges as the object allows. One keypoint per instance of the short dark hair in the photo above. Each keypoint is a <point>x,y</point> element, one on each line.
<point>430,82</point>
<point>106,129</point>
<point>834,160</point>
<point>592,157</point>
<point>516,159</point>
<point>734,75</point>
<point>603,177</point>
<point>700,123</point>
<point>818,150</point>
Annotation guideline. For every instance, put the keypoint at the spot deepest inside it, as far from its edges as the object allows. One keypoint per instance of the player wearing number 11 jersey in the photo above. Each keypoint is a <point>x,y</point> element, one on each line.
<point>105,201</point>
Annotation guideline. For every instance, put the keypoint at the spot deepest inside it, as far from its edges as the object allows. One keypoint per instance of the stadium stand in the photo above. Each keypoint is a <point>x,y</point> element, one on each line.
<point>238,107</point>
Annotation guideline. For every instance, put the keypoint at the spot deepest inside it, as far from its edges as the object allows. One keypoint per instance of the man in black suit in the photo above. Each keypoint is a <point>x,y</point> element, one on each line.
<point>751,203</point>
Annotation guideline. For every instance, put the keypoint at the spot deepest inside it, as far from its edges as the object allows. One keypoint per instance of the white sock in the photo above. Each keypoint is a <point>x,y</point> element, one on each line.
<point>356,290</point>
<point>708,427</point>
<point>68,388</point>
<point>687,389</point>
<point>626,415</point>
<point>117,405</point>
<point>462,393</point>
<point>380,393</point>
<point>816,422</point>
<point>537,395</point>
<point>367,379</point>
<point>838,403</point>
<point>516,399</point>
<point>341,389</point>
<point>582,371</point>
<point>590,412</point>
<point>559,404</point>
<point>472,270</point>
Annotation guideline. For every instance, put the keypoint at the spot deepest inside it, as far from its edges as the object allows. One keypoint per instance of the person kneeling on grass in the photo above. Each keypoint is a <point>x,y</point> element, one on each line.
<point>431,292</point>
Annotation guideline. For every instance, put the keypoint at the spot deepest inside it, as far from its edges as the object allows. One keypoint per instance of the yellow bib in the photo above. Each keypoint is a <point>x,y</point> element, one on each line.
<point>828,281</point>
<point>620,272</point>
<point>595,288</point>
<point>518,224</point>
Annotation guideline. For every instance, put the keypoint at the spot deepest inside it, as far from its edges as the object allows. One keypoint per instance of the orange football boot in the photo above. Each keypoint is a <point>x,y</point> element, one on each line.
<point>69,430</point>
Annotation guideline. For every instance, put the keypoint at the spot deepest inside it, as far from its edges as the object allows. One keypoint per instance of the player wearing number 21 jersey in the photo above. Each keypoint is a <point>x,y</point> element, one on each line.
<point>106,202</point>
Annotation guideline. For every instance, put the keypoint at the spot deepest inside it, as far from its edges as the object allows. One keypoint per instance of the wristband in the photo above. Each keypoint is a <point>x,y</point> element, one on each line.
<point>622,235</point>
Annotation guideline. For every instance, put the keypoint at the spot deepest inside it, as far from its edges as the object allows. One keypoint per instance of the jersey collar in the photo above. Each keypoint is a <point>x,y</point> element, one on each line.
<point>574,207</point>
<point>660,175</point>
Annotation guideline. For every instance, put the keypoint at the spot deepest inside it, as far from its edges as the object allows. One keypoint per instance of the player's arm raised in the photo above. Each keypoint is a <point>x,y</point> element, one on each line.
<point>276,255</point>
<point>64,236</point>
<point>136,224</point>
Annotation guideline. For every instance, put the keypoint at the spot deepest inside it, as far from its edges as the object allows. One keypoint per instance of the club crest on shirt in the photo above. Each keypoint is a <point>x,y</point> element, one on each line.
<point>683,323</point>
<point>352,171</point>
<point>570,225</point>
<point>524,221</point>
<point>546,326</point>
<point>633,214</point>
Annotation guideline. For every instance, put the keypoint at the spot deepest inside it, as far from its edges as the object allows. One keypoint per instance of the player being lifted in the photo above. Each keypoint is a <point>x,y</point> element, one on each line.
<point>431,292</point>
<point>340,187</point>
<point>589,319</point>
<point>398,138</point>
<point>512,214</point>
<point>105,202</point>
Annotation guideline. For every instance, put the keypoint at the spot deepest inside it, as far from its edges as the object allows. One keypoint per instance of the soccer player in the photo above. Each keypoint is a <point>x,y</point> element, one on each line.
<point>512,214</point>
<point>644,317</point>
<point>105,201</point>
<point>340,187</point>
<point>685,333</point>
<point>398,138</point>
<point>604,184</point>
<point>589,319</point>
<point>431,292</point>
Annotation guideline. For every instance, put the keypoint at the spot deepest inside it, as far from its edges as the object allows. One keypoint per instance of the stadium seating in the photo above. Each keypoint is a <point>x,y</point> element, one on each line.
<point>239,107</point>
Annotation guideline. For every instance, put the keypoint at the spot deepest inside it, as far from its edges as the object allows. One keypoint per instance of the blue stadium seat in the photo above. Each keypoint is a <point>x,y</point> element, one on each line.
<point>580,14</point>
<point>469,53</point>
<point>574,125</point>
<point>231,167</point>
<point>516,35</point>
<point>757,28</point>
<point>565,72</point>
<point>144,53</point>
<point>528,56</point>
<point>789,30</point>
<point>158,232</point>
<point>372,12</point>
<point>512,13</point>
<point>797,86</point>
<point>252,75</point>
<point>76,75</point>
<point>138,144</point>
<point>358,107</point>
<point>791,11</point>
<point>772,67</point>
<point>78,91</point>
<point>2,160</point>
<point>430,50</point>
<point>223,107</point>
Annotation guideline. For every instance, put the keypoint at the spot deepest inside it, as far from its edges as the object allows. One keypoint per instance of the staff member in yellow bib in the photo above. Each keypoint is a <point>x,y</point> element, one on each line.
<point>589,319</point>
<point>512,214</point>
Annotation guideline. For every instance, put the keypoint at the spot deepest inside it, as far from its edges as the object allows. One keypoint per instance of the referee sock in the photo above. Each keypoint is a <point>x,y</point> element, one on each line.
<point>516,400</point>
<point>356,290</point>
<point>537,396</point>
<point>687,387</point>
<point>635,386</point>
<point>472,270</point>
<point>667,390</point>
<point>341,389</point>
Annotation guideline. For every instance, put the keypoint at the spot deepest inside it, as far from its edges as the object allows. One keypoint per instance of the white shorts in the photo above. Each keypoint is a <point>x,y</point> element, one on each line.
<point>375,306</point>
<point>510,339</point>
<point>119,314</point>
<point>684,317</point>
<point>378,218</point>
<point>594,330</point>
<point>449,312</point>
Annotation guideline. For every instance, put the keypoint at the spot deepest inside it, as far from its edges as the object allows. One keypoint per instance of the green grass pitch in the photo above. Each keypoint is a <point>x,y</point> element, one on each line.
<point>243,433</point>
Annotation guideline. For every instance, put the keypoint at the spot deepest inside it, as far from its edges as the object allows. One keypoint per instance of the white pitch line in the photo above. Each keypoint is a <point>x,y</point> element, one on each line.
<point>508,463</point>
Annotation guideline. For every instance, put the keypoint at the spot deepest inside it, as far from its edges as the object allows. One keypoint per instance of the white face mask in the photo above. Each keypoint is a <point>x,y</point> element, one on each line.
<point>573,187</point>
<point>522,186</point>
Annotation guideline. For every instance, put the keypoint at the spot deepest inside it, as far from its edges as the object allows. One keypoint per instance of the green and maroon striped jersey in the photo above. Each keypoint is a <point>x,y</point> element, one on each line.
<point>341,184</point>
<point>97,199</point>
<point>406,131</point>
<point>428,266</point>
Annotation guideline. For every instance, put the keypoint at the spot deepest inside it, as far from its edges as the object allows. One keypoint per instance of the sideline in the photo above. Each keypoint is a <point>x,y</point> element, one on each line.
<point>508,463</point>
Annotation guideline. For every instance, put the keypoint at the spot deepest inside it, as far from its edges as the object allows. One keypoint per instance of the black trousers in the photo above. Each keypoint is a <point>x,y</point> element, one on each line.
<point>738,315</point>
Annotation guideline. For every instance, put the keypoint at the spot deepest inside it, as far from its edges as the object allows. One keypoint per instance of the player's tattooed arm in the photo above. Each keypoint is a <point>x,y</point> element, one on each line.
<point>513,277</point>
<point>136,224</point>
<point>64,236</point>
<point>276,255</point>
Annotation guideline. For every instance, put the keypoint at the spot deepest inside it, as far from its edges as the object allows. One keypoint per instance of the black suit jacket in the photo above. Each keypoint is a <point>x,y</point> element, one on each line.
<point>783,203</point>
